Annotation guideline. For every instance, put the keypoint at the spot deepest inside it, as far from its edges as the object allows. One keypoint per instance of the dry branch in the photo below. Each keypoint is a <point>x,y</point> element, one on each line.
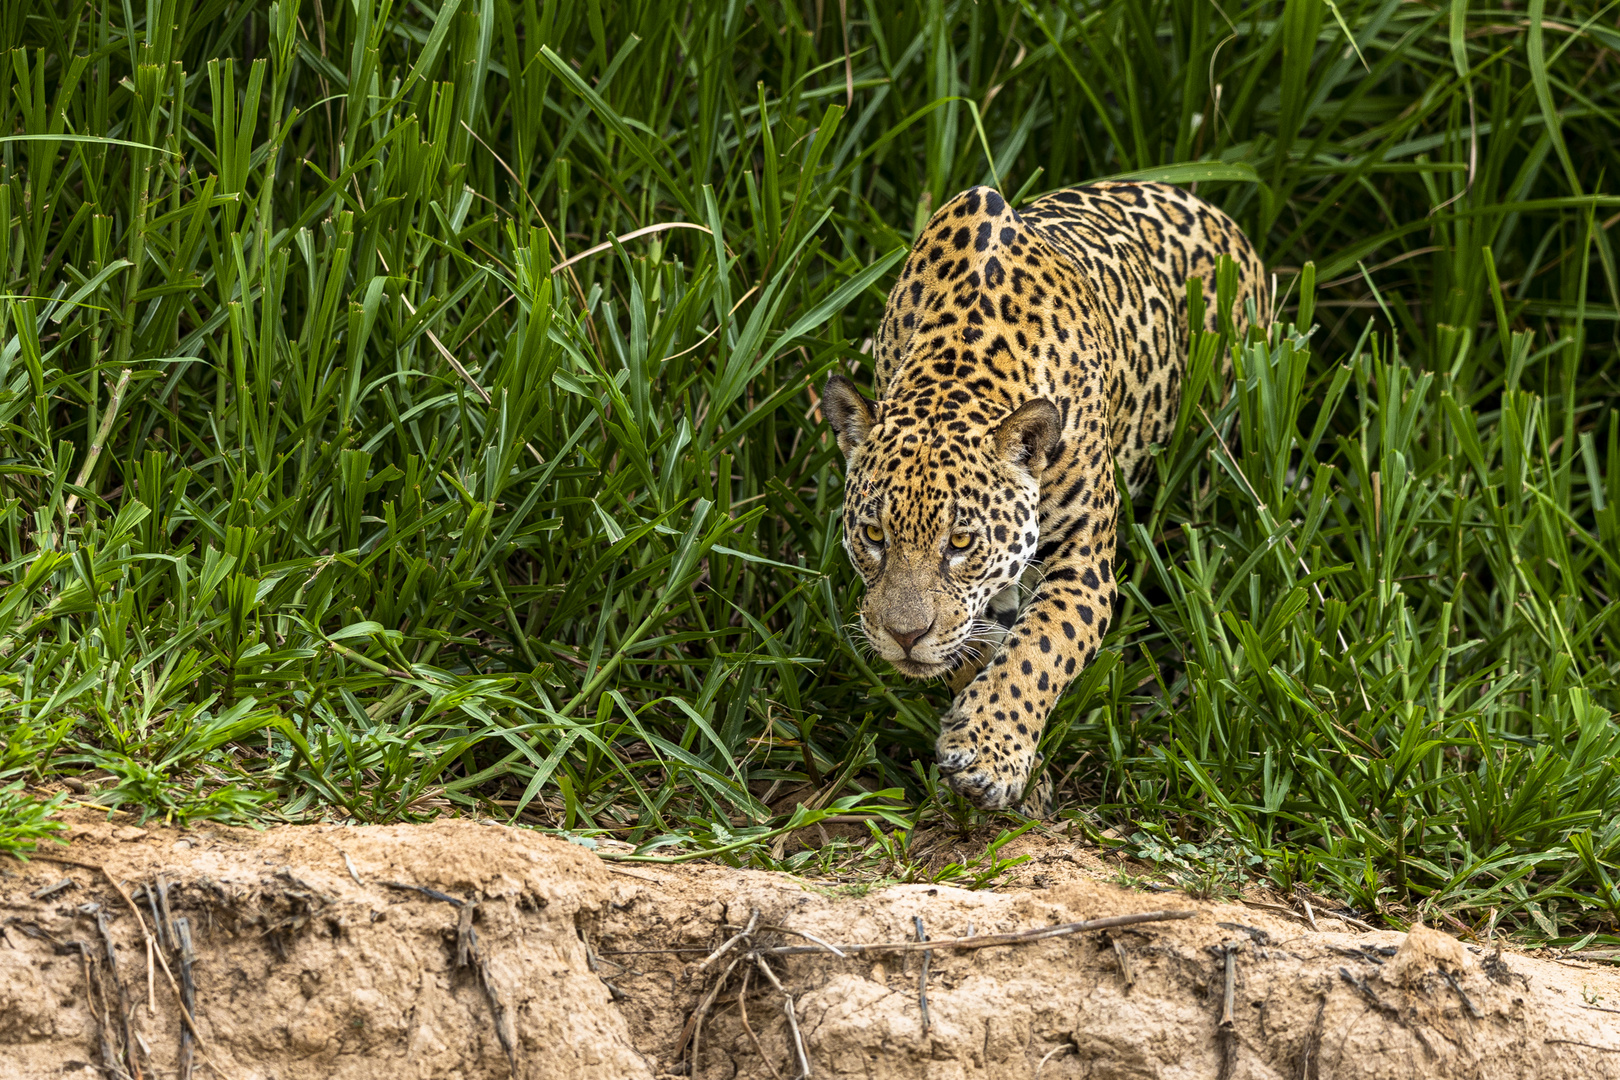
<point>987,941</point>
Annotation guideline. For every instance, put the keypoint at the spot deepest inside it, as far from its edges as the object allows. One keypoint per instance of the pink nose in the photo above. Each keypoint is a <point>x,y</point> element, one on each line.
<point>907,638</point>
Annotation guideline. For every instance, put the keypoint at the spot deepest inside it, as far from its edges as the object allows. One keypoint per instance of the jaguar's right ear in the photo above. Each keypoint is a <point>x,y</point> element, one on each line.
<point>850,414</point>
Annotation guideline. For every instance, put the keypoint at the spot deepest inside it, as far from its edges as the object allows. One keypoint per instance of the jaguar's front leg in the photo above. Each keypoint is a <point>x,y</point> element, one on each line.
<point>998,619</point>
<point>989,738</point>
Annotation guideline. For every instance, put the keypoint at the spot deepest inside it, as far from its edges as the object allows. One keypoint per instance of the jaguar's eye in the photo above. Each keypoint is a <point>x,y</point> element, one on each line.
<point>961,540</point>
<point>874,533</point>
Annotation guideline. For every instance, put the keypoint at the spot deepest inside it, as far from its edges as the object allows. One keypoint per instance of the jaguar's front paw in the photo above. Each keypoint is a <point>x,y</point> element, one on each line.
<point>1041,798</point>
<point>988,775</point>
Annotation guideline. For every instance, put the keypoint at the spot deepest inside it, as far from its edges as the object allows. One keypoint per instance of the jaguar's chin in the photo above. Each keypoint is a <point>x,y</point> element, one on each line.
<point>920,669</point>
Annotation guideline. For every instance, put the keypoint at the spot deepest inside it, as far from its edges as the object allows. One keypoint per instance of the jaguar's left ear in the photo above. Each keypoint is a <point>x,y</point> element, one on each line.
<point>1028,436</point>
<point>850,414</point>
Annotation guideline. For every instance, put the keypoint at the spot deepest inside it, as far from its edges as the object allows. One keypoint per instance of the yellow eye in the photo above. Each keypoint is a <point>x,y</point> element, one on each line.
<point>961,540</point>
<point>874,533</point>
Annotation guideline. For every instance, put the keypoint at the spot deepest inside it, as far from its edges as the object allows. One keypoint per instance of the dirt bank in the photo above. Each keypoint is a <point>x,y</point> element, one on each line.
<point>464,950</point>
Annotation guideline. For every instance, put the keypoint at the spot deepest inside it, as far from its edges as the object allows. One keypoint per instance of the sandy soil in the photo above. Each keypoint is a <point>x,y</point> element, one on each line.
<point>463,950</point>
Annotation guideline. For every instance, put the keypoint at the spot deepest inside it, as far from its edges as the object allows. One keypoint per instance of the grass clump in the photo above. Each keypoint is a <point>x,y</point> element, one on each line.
<point>345,472</point>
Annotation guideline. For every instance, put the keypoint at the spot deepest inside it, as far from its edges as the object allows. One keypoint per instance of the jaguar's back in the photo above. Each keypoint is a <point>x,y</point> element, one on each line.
<point>1162,236</point>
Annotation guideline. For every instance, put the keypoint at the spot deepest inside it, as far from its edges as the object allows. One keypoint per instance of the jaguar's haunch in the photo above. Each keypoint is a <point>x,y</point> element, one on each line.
<point>1021,357</point>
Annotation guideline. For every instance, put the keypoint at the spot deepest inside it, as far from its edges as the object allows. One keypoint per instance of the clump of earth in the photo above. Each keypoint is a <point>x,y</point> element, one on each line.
<point>460,949</point>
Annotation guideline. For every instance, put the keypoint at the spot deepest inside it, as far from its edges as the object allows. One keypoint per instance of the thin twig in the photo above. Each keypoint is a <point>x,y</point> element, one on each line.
<point>676,356</point>
<point>742,1011</point>
<point>48,891</point>
<point>849,67</point>
<point>798,1039</point>
<point>1368,993</point>
<point>829,946</point>
<point>1124,963</point>
<point>1402,257</point>
<point>102,432</point>
<point>452,361</point>
<point>922,975</point>
<point>469,955</point>
<point>103,1015</point>
<point>1277,909</point>
<point>188,989</point>
<point>556,240</point>
<point>631,235</point>
<point>1473,151</point>
<point>1473,1010</point>
<point>466,937</point>
<point>157,904</point>
<point>505,1026</point>
<point>431,894</point>
<point>1049,1055</point>
<point>988,941</point>
<point>125,1011</point>
<point>753,920</point>
<point>1231,949</point>
<point>450,358</point>
<point>792,1017</point>
<point>961,944</point>
<point>694,1026</point>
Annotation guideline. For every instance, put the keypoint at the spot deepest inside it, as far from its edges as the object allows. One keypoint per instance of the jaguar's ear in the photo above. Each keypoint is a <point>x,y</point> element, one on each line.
<point>1029,435</point>
<point>850,414</point>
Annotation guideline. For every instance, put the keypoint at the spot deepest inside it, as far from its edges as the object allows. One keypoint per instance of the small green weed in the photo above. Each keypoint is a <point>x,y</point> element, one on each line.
<point>26,821</point>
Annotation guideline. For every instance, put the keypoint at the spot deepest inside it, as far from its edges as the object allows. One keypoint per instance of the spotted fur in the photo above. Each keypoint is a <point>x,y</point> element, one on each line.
<point>1021,358</point>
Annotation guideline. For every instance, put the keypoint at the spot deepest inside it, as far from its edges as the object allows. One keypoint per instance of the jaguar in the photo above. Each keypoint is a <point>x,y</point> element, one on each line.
<point>1023,357</point>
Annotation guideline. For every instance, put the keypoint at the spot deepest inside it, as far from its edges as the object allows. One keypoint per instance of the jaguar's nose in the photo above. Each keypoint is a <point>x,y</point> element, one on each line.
<point>907,638</point>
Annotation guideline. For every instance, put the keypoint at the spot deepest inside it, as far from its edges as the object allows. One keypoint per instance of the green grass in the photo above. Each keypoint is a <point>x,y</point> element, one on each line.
<point>327,489</point>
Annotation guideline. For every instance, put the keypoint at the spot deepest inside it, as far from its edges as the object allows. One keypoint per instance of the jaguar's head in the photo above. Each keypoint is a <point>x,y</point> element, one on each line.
<point>940,515</point>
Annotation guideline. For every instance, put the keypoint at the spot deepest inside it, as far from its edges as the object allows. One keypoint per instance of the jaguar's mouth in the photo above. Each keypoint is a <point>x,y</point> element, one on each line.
<point>964,652</point>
